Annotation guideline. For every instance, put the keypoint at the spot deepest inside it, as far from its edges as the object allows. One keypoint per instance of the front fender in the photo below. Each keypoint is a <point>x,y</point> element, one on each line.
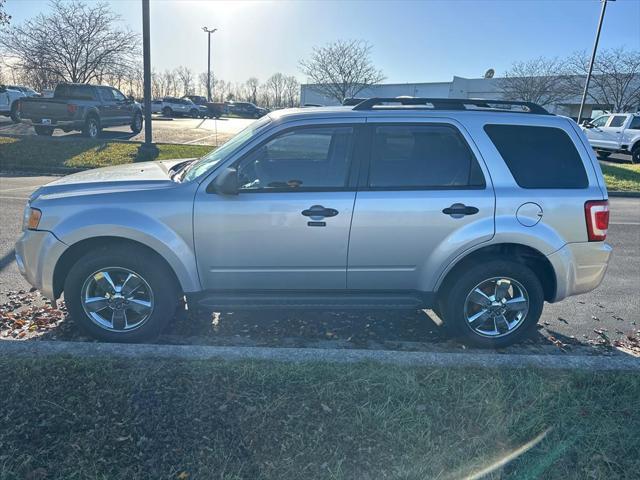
<point>175,247</point>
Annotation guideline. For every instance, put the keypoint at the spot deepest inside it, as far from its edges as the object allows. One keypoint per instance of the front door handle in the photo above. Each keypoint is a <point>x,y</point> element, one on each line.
<point>318,211</point>
<point>459,210</point>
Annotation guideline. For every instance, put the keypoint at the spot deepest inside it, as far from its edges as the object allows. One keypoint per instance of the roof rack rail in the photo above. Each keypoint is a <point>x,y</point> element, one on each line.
<point>476,104</point>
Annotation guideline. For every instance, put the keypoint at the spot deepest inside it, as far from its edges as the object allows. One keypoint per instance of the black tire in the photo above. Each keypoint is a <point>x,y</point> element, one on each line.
<point>453,302</point>
<point>603,154</point>
<point>167,112</point>
<point>635,154</point>
<point>139,261</point>
<point>91,128</point>
<point>15,113</point>
<point>194,113</point>
<point>136,122</point>
<point>43,131</point>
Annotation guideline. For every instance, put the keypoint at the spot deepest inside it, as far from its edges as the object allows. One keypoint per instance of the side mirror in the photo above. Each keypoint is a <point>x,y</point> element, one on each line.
<point>131,99</point>
<point>587,124</point>
<point>226,183</point>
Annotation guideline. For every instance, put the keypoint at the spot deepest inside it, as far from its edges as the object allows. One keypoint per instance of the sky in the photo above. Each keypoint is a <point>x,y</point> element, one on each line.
<point>413,41</point>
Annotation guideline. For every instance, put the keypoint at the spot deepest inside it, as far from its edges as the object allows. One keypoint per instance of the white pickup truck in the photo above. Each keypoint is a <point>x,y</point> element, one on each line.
<point>615,133</point>
<point>8,103</point>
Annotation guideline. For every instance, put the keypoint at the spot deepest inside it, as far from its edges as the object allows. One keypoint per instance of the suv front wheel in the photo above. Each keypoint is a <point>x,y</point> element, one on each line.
<point>493,304</point>
<point>121,294</point>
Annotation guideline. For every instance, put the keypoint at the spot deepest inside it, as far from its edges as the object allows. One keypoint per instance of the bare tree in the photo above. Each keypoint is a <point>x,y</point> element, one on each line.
<point>170,83</point>
<point>540,80</point>
<point>252,90</point>
<point>185,76</point>
<point>615,82</point>
<point>342,69</point>
<point>275,84</point>
<point>4,17</point>
<point>291,94</point>
<point>76,42</point>
<point>203,78</point>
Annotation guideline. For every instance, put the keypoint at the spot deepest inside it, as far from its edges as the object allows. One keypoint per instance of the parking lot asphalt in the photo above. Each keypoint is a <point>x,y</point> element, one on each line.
<point>165,130</point>
<point>608,314</point>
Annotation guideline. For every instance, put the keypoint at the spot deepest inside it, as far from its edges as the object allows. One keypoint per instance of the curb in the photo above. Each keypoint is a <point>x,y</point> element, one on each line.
<point>624,194</point>
<point>15,348</point>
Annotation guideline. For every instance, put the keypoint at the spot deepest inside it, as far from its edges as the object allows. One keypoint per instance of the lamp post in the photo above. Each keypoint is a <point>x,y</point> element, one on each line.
<point>209,31</point>
<point>593,58</point>
<point>147,149</point>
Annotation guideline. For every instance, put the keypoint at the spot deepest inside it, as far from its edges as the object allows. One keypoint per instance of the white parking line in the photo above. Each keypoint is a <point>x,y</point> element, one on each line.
<point>6,197</point>
<point>198,139</point>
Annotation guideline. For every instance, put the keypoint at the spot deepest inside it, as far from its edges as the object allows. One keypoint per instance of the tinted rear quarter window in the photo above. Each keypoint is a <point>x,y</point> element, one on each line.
<point>618,120</point>
<point>539,157</point>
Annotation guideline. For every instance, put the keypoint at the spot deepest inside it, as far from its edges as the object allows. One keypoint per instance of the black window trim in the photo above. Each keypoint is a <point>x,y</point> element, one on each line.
<point>353,169</point>
<point>363,185</point>
<point>582,162</point>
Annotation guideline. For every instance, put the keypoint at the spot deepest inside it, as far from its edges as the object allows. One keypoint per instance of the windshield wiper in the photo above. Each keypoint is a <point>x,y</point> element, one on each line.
<point>180,167</point>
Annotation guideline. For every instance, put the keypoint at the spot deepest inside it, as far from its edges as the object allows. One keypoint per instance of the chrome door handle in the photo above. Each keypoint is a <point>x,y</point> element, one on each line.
<point>320,212</point>
<point>458,210</point>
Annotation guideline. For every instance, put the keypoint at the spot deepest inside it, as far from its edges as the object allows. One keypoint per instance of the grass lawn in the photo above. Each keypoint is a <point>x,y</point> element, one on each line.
<point>621,177</point>
<point>64,418</point>
<point>62,154</point>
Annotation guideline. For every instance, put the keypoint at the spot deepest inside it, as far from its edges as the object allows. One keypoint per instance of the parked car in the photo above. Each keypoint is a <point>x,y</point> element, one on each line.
<point>211,109</point>
<point>615,133</point>
<point>246,110</point>
<point>172,107</point>
<point>29,92</point>
<point>462,206</point>
<point>78,106</point>
<point>9,103</point>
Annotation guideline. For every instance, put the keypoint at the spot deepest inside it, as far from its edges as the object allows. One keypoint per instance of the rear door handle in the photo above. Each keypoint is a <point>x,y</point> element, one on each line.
<point>320,212</point>
<point>458,210</point>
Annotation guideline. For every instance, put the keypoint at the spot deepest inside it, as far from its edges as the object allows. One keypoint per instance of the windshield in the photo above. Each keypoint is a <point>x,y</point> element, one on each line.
<point>216,156</point>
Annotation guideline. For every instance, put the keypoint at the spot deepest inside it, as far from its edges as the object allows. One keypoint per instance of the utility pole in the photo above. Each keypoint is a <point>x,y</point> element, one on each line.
<point>209,31</point>
<point>593,58</point>
<point>147,149</point>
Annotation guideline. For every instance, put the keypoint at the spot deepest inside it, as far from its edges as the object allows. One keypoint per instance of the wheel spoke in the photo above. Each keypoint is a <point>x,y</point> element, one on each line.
<point>517,304</point>
<point>501,324</point>
<point>130,285</point>
<point>479,318</point>
<point>104,281</point>
<point>480,298</point>
<point>502,288</point>
<point>139,306</point>
<point>95,304</point>
<point>119,319</point>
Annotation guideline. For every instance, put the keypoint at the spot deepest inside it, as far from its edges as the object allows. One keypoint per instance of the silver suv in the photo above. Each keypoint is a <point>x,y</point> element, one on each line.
<point>479,210</point>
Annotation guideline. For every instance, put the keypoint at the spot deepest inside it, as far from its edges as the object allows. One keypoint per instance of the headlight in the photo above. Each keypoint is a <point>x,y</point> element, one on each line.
<point>31,218</point>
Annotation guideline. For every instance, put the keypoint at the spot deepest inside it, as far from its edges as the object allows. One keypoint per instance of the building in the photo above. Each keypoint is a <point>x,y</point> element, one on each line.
<point>459,87</point>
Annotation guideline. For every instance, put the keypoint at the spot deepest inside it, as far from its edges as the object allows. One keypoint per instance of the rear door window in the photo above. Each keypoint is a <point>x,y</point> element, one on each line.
<point>421,157</point>
<point>539,157</point>
<point>618,120</point>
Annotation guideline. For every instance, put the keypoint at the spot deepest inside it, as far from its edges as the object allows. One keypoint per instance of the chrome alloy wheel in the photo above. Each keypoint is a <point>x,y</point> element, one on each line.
<point>496,307</point>
<point>117,299</point>
<point>93,129</point>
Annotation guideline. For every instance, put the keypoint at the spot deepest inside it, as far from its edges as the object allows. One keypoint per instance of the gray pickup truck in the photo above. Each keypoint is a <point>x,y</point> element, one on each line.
<point>87,108</point>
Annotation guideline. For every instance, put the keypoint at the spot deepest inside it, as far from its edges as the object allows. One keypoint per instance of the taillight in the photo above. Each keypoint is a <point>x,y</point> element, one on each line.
<point>596,213</point>
<point>71,108</point>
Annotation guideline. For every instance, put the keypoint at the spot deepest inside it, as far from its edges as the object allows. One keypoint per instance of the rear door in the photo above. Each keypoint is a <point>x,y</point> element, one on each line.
<point>288,228</point>
<point>108,108</point>
<point>425,196</point>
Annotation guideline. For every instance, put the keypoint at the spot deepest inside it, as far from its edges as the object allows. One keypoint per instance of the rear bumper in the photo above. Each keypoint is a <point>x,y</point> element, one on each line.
<point>37,253</point>
<point>579,267</point>
<point>69,124</point>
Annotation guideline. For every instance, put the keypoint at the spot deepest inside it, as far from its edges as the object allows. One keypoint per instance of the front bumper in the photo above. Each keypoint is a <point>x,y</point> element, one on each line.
<point>579,267</point>
<point>37,253</point>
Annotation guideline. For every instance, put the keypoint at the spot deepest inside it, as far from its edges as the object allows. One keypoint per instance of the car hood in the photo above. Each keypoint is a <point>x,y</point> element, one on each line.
<point>133,176</point>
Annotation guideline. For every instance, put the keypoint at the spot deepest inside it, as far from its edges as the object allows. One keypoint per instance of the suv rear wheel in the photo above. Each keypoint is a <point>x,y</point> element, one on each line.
<point>493,304</point>
<point>121,295</point>
<point>15,113</point>
<point>167,112</point>
<point>136,123</point>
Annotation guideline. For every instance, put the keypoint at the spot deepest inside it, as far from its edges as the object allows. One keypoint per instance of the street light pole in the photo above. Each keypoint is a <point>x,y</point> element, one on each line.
<point>209,32</point>
<point>593,58</point>
<point>147,149</point>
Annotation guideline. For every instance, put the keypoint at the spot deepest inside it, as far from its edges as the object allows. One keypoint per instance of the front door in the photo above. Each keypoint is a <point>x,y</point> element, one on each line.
<point>425,195</point>
<point>595,133</point>
<point>288,228</point>
<point>108,108</point>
